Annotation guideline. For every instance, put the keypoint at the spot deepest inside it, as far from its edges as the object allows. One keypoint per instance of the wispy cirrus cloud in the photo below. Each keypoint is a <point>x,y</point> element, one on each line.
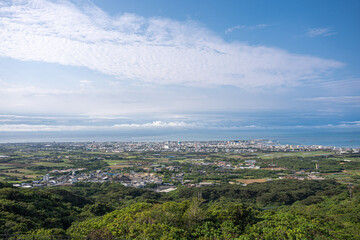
<point>338,99</point>
<point>237,27</point>
<point>124,126</point>
<point>353,122</point>
<point>32,90</point>
<point>155,50</point>
<point>319,32</point>
<point>157,125</point>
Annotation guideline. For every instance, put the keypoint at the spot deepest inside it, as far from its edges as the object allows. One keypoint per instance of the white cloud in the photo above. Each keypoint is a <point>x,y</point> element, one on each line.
<point>319,32</point>
<point>353,122</point>
<point>154,50</point>
<point>345,84</point>
<point>85,82</point>
<point>156,125</point>
<point>233,28</point>
<point>31,90</point>
<point>56,128</point>
<point>340,99</point>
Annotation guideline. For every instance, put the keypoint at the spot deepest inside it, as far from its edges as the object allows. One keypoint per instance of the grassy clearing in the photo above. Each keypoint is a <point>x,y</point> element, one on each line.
<point>163,161</point>
<point>300,154</point>
<point>352,172</point>
<point>183,160</point>
<point>336,175</point>
<point>119,166</point>
<point>352,159</point>
<point>53,164</point>
<point>5,167</point>
<point>112,161</point>
<point>249,181</point>
<point>25,171</point>
<point>20,174</point>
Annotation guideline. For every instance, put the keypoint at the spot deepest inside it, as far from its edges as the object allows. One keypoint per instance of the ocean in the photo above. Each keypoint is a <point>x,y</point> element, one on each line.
<point>349,138</point>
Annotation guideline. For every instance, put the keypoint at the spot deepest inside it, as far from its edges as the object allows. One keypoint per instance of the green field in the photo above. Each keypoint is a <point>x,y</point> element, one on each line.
<point>288,154</point>
<point>53,164</point>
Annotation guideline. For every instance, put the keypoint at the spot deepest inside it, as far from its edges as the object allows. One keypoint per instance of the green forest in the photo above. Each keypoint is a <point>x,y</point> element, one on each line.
<point>282,209</point>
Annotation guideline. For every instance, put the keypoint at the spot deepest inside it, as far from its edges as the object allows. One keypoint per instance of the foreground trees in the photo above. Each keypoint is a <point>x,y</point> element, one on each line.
<point>170,220</point>
<point>332,219</point>
<point>276,210</point>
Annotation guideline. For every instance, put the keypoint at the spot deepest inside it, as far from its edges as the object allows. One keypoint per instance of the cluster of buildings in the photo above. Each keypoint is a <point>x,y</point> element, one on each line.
<point>235,146</point>
<point>305,176</point>
<point>138,180</point>
<point>248,164</point>
<point>149,177</point>
<point>133,179</point>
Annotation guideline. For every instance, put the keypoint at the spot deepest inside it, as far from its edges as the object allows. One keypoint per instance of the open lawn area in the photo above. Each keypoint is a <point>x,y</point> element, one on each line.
<point>300,154</point>
<point>119,166</point>
<point>53,164</point>
<point>249,181</point>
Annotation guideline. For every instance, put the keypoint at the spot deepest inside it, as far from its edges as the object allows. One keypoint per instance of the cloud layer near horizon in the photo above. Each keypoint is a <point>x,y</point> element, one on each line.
<point>125,126</point>
<point>154,50</point>
<point>156,125</point>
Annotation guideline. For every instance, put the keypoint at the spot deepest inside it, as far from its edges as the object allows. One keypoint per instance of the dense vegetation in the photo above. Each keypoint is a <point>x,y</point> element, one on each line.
<point>275,209</point>
<point>284,209</point>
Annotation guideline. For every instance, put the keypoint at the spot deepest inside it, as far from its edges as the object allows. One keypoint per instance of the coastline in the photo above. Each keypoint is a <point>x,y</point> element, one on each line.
<point>336,138</point>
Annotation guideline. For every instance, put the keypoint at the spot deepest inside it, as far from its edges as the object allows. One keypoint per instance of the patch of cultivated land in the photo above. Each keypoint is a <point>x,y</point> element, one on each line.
<point>18,165</point>
<point>52,164</point>
<point>119,166</point>
<point>303,154</point>
<point>248,181</point>
<point>112,161</point>
<point>2,167</point>
<point>274,168</point>
<point>20,174</point>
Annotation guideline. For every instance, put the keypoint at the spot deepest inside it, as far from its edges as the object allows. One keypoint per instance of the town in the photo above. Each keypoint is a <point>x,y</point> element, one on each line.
<point>164,166</point>
<point>235,146</point>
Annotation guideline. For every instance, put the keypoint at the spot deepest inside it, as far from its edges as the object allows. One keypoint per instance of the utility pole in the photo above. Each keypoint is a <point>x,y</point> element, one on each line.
<point>350,190</point>
<point>199,196</point>
<point>317,165</point>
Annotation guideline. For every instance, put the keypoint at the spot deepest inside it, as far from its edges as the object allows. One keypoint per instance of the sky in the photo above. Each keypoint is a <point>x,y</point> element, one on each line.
<point>159,65</point>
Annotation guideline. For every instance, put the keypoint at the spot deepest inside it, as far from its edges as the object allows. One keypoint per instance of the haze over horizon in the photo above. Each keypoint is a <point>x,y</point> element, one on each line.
<point>179,67</point>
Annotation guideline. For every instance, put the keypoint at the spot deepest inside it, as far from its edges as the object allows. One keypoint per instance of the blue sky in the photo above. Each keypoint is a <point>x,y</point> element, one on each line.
<point>153,65</point>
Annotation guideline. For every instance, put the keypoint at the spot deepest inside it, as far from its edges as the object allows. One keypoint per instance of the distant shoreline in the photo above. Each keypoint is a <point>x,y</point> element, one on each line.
<point>346,142</point>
